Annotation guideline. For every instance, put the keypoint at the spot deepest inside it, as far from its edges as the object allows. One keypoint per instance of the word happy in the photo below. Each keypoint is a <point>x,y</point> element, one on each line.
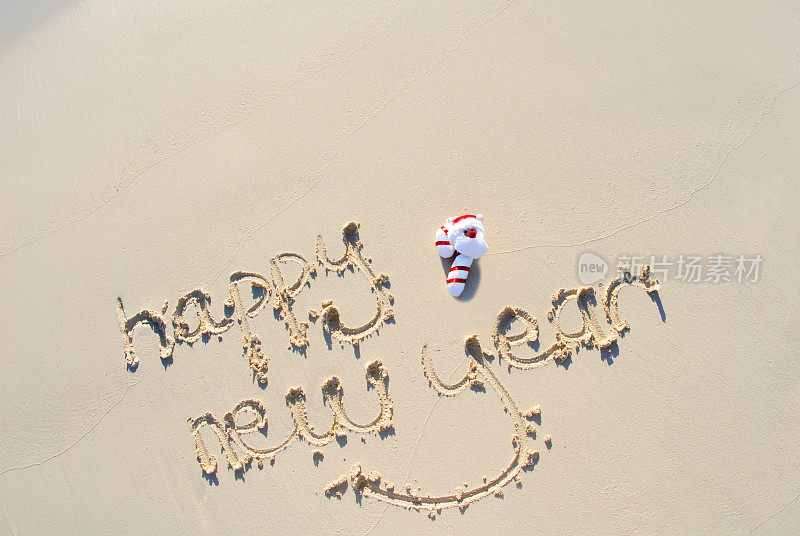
<point>283,296</point>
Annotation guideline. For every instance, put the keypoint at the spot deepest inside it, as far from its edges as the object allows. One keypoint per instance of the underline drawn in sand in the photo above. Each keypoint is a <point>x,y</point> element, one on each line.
<point>591,334</point>
<point>177,330</point>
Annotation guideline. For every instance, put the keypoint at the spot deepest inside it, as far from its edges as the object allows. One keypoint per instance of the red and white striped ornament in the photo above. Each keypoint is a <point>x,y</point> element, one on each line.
<point>463,235</point>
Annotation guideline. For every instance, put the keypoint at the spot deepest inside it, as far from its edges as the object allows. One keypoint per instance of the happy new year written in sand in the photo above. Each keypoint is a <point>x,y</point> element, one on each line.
<point>228,431</point>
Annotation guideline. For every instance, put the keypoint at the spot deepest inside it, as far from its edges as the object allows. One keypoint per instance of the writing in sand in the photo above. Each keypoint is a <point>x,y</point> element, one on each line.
<point>597,331</point>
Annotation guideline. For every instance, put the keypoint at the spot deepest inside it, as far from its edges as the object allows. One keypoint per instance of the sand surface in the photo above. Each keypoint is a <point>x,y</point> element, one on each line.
<point>150,153</point>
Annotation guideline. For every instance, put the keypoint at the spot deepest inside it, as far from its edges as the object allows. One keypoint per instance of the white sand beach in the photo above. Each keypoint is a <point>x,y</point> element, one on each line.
<point>184,158</point>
